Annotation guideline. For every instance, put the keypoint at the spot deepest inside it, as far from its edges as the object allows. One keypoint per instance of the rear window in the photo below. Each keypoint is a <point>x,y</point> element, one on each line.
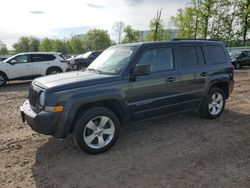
<point>42,57</point>
<point>216,54</point>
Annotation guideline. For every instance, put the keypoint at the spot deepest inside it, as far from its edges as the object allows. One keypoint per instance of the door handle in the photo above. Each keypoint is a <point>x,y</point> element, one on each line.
<point>27,65</point>
<point>171,79</point>
<point>203,74</point>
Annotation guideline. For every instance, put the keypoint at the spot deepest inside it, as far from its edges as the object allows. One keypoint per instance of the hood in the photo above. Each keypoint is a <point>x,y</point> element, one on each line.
<point>70,80</point>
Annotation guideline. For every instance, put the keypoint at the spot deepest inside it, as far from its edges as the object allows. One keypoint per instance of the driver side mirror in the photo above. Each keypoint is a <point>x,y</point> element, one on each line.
<point>141,70</point>
<point>13,61</point>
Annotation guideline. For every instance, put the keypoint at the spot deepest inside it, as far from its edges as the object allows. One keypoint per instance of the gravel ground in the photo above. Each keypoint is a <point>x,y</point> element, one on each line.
<point>178,151</point>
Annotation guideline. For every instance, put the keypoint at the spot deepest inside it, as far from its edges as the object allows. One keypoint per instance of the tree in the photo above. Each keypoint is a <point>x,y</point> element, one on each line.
<point>131,35</point>
<point>3,48</point>
<point>77,45</point>
<point>118,28</point>
<point>157,32</point>
<point>226,20</point>
<point>22,45</point>
<point>34,44</point>
<point>59,46</point>
<point>46,45</point>
<point>97,39</point>
<point>244,19</point>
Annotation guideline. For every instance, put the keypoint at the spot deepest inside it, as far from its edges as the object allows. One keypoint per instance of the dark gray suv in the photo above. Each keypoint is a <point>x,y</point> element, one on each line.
<point>128,83</point>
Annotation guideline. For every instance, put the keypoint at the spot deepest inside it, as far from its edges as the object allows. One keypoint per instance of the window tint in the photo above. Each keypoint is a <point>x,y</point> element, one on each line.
<point>42,57</point>
<point>188,56</point>
<point>216,54</point>
<point>22,59</point>
<point>160,59</point>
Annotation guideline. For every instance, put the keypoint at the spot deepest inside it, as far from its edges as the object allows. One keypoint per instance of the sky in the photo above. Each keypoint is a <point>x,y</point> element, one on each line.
<point>64,18</point>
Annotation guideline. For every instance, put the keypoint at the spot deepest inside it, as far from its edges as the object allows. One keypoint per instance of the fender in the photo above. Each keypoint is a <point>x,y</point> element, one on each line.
<point>74,103</point>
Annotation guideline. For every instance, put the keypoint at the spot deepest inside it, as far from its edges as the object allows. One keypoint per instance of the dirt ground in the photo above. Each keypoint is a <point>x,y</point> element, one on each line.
<point>178,151</point>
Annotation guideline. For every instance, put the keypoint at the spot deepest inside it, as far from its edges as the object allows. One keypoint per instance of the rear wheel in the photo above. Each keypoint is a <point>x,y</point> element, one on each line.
<point>52,71</point>
<point>3,79</point>
<point>96,130</point>
<point>237,65</point>
<point>214,104</point>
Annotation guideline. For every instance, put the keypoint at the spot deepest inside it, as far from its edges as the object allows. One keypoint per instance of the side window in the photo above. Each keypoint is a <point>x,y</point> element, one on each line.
<point>22,59</point>
<point>248,54</point>
<point>160,59</point>
<point>189,56</point>
<point>216,54</point>
<point>42,57</point>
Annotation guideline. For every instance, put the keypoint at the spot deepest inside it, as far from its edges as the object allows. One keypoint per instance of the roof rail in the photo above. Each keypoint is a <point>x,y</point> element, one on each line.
<point>179,39</point>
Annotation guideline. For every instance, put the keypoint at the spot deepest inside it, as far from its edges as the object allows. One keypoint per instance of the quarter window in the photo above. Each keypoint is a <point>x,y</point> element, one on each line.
<point>160,59</point>
<point>216,54</point>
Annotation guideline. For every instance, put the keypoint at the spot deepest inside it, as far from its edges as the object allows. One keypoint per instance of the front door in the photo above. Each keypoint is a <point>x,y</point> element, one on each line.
<point>157,93</point>
<point>21,68</point>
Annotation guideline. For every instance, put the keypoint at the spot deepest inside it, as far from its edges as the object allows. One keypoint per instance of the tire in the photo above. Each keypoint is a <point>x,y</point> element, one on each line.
<point>52,71</point>
<point>3,79</point>
<point>89,133</point>
<point>213,106</point>
<point>237,65</point>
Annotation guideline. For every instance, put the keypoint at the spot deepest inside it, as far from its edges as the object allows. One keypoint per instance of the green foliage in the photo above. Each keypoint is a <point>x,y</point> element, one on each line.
<point>97,39</point>
<point>158,32</point>
<point>3,48</point>
<point>22,45</point>
<point>131,35</point>
<point>227,20</point>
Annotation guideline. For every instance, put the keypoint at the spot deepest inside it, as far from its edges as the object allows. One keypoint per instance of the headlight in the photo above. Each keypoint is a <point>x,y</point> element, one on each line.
<point>42,99</point>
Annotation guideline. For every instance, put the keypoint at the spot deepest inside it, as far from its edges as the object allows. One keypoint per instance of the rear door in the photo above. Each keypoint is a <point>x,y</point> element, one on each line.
<point>194,74</point>
<point>158,92</point>
<point>41,62</point>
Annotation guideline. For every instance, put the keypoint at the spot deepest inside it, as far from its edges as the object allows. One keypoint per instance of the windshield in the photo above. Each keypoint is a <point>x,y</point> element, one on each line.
<point>6,60</point>
<point>86,55</point>
<point>112,60</point>
<point>234,54</point>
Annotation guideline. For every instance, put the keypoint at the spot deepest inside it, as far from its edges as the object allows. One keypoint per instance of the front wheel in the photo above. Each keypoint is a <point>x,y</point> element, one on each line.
<point>213,105</point>
<point>96,130</point>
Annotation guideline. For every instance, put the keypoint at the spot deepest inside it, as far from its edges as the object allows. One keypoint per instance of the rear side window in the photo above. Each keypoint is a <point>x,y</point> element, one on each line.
<point>42,57</point>
<point>160,59</point>
<point>216,54</point>
<point>191,56</point>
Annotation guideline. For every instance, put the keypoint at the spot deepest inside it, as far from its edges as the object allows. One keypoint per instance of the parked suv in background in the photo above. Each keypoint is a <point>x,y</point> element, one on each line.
<point>30,65</point>
<point>240,58</point>
<point>127,83</point>
<point>84,60</point>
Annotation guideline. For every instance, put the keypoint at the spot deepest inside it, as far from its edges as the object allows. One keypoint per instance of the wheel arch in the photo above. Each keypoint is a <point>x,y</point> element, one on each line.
<point>1,72</point>
<point>53,67</point>
<point>112,104</point>
<point>223,85</point>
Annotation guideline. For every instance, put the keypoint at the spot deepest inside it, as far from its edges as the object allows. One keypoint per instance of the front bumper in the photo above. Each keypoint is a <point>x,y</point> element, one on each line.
<point>42,122</point>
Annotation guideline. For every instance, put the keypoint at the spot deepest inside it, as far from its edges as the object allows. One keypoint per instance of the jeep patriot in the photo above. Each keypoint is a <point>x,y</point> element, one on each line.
<point>127,83</point>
